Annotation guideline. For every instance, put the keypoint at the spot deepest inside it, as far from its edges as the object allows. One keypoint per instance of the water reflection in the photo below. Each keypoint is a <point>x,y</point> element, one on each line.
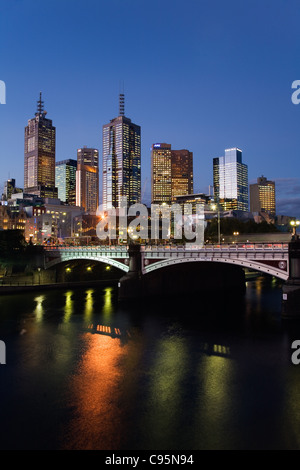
<point>214,403</point>
<point>107,306</point>
<point>112,379</point>
<point>165,396</point>
<point>94,393</point>
<point>39,310</point>
<point>89,304</point>
<point>69,307</point>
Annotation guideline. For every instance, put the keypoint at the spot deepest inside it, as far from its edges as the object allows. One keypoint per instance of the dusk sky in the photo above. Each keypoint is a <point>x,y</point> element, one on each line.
<point>201,75</point>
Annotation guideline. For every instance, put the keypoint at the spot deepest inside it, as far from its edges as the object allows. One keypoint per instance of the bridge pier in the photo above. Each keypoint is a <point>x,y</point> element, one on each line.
<point>130,285</point>
<point>291,288</point>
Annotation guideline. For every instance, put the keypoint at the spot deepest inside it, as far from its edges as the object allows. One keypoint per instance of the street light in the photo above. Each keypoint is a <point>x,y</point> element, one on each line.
<point>214,207</point>
<point>235,234</point>
<point>294,224</point>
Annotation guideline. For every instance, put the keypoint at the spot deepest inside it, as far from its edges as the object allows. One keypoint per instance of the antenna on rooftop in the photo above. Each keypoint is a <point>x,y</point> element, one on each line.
<point>122,101</point>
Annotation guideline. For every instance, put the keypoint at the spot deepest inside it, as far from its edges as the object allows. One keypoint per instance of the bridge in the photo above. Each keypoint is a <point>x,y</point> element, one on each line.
<point>117,256</point>
<point>270,258</point>
<point>281,260</point>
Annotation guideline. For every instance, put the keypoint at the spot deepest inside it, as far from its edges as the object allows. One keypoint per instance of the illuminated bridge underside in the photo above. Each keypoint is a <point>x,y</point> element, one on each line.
<point>273,261</point>
<point>117,258</point>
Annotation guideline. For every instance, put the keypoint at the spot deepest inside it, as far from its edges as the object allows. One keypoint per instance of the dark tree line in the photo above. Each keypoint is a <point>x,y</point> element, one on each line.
<point>14,251</point>
<point>230,225</point>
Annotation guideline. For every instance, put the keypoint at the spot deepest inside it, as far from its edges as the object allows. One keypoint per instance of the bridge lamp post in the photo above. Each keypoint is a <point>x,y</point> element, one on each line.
<point>235,234</point>
<point>214,207</point>
<point>294,224</point>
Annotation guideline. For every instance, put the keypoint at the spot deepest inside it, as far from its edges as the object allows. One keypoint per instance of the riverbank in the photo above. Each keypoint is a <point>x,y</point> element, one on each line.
<point>16,288</point>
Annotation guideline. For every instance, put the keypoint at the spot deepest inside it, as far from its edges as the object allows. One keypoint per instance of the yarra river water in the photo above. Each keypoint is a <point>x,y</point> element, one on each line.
<point>84,372</point>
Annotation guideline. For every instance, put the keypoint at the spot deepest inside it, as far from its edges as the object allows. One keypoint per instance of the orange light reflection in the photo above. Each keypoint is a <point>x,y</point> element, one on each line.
<point>95,392</point>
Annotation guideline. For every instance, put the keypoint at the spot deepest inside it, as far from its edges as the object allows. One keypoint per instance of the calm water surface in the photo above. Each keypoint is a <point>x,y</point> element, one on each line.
<point>84,372</point>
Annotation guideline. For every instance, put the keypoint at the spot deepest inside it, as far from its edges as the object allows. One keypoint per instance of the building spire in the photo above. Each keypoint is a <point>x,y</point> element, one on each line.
<point>121,104</point>
<point>40,105</point>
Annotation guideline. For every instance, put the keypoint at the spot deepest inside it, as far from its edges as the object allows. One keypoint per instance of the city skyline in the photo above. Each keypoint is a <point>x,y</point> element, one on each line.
<point>224,82</point>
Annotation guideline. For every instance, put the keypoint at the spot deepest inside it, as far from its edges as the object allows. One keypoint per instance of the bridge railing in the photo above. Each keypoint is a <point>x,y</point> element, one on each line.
<point>177,248</point>
<point>223,247</point>
<point>113,248</point>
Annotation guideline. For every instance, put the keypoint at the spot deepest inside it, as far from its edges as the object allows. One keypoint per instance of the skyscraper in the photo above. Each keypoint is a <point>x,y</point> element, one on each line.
<point>39,152</point>
<point>87,179</point>
<point>262,196</point>
<point>171,173</point>
<point>161,173</point>
<point>121,160</point>
<point>182,173</point>
<point>65,180</point>
<point>231,180</point>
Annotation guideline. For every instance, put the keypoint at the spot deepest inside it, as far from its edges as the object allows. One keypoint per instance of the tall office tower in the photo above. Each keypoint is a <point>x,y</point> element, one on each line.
<point>39,151</point>
<point>231,180</point>
<point>182,173</point>
<point>121,160</point>
<point>87,179</point>
<point>65,180</point>
<point>171,173</point>
<point>262,196</point>
<point>161,174</point>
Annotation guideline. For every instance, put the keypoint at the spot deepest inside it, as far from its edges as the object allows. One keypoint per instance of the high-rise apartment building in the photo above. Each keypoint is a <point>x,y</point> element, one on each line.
<point>65,180</point>
<point>87,179</point>
<point>231,180</point>
<point>39,152</point>
<point>121,160</point>
<point>171,173</point>
<point>262,196</point>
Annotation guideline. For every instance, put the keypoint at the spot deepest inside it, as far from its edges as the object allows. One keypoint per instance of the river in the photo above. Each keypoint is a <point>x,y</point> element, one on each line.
<point>84,372</point>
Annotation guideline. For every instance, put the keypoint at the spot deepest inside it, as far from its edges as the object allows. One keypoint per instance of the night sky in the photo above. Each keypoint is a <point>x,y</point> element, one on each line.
<point>201,75</point>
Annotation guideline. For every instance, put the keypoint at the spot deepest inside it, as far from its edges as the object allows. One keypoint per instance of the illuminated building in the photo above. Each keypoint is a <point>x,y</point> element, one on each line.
<point>231,181</point>
<point>161,173</point>
<point>51,222</point>
<point>193,199</point>
<point>39,153</point>
<point>262,196</point>
<point>171,172</point>
<point>10,189</point>
<point>10,220</point>
<point>182,172</point>
<point>87,179</point>
<point>121,160</point>
<point>65,180</point>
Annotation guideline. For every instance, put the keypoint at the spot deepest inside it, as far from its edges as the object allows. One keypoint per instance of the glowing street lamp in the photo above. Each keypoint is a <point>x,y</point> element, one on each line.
<point>217,207</point>
<point>236,234</point>
<point>294,224</point>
